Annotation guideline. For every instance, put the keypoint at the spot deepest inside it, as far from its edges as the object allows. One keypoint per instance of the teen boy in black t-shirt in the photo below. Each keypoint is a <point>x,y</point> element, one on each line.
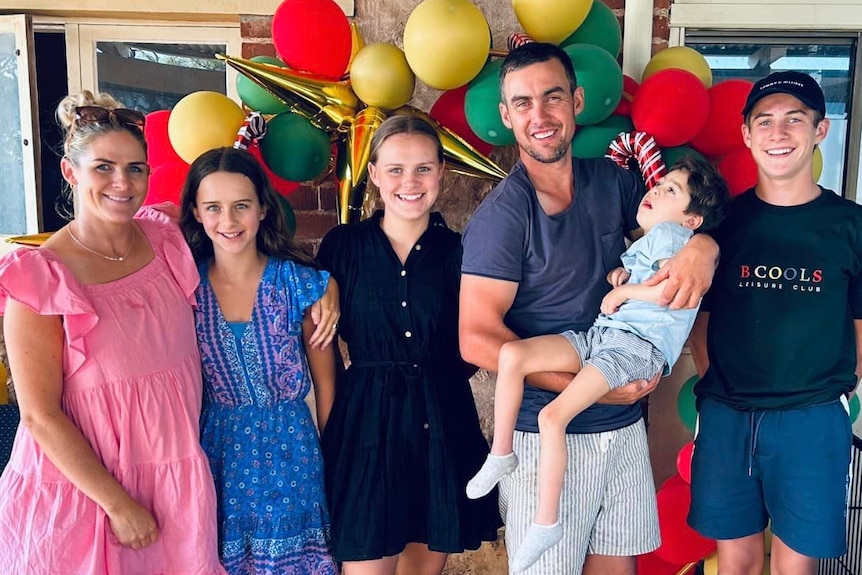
<point>779,337</point>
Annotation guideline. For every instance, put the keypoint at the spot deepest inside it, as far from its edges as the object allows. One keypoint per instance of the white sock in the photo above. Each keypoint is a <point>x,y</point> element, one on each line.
<point>495,468</point>
<point>539,539</point>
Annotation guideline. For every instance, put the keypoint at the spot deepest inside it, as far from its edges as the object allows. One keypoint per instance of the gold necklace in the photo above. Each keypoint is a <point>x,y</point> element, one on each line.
<point>122,258</point>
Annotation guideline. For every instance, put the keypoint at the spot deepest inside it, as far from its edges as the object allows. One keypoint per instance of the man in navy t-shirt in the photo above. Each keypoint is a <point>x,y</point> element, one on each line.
<point>536,255</point>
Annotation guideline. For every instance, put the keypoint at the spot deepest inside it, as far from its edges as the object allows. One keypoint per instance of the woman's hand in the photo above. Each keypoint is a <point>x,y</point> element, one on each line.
<point>324,314</point>
<point>133,526</point>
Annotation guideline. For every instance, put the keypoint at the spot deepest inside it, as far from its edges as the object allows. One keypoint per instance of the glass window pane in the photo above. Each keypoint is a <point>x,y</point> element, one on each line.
<point>155,76</point>
<point>828,62</point>
<point>13,216</point>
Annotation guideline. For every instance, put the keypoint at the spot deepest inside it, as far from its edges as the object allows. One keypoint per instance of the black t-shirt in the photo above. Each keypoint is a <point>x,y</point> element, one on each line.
<point>559,262</point>
<point>782,304</point>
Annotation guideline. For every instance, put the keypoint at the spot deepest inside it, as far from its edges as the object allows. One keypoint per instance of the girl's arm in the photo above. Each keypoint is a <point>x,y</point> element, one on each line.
<point>321,362</point>
<point>35,349</point>
<point>324,315</point>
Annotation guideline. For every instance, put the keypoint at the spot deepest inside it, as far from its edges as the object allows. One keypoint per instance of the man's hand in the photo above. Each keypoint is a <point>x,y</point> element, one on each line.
<point>688,273</point>
<point>618,276</point>
<point>632,392</point>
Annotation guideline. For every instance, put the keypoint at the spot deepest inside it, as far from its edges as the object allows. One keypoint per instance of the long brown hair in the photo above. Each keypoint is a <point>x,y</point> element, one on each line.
<point>273,237</point>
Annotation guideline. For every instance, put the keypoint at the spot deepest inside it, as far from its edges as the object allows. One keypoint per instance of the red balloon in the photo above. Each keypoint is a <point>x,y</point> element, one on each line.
<point>312,36</point>
<point>279,184</point>
<point>159,148</point>
<point>672,105</point>
<point>449,111</point>
<point>721,134</point>
<point>683,461</point>
<point>739,170</point>
<point>166,183</point>
<point>651,564</point>
<point>679,542</point>
<point>630,90</point>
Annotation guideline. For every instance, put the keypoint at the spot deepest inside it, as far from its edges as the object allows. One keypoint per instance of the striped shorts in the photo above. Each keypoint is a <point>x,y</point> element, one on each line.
<point>608,505</point>
<point>620,356</point>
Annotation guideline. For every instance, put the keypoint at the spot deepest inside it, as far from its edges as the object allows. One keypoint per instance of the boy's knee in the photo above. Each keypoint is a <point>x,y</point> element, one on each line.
<point>511,355</point>
<point>551,419</point>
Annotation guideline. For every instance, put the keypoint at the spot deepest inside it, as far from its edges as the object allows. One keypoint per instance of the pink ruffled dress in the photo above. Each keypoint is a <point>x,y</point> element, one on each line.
<point>132,385</point>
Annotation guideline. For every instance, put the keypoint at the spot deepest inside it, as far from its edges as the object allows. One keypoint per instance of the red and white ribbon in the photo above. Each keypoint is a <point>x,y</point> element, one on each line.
<point>516,40</point>
<point>643,148</point>
<point>253,128</point>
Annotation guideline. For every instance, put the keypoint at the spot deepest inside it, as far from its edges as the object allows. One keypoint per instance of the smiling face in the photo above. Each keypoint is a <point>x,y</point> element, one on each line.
<point>781,132</point>
<point>668,201</point>
<point>407,171</point>
<point>229,210</point>
<point>109,178</point>
<point>540,109</point>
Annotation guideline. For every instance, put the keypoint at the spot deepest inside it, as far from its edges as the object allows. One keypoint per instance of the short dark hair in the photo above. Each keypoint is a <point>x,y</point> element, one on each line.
<point>709,193</point>
<point>533,53</point>
<point>273,237</point>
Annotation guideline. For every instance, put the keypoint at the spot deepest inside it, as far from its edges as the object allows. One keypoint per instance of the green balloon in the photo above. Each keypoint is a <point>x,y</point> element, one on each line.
<point>600,75</point>
<point>256,97</point>
<point>294,149</point>
<point>289,214</point>
<point>685,403</point>
<point>592,141</point>
<point>854,408</point>
<point>601,28</point>
<point>482,106</point>
<point>671,155</point>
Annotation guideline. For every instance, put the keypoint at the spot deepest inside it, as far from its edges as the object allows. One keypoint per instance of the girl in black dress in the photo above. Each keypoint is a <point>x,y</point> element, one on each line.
<point>403,437</point>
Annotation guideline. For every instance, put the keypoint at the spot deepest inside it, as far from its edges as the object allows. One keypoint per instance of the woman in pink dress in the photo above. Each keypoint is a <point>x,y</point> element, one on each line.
<point>107,475</point>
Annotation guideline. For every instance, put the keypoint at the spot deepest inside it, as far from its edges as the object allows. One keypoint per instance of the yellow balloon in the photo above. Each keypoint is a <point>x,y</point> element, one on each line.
<point>202,121</point>
<point>817,164</point>
<point>683,58</point>
<point>446,42</point>
<point>381,77</point>
<point>551,20</point>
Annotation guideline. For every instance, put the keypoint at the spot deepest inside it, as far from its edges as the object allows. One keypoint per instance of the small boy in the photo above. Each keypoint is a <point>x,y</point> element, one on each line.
<point>633,338</point>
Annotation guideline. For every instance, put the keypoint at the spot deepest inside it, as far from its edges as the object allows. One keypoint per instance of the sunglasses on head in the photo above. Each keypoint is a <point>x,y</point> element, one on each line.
<point>85,115</point>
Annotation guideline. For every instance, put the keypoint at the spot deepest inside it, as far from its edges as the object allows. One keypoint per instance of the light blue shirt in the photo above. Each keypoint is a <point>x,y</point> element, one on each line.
<point>665,328</point>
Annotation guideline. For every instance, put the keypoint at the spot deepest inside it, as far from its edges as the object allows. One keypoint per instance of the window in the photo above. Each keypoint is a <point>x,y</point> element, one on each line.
<point>18,147</point>
<point>151,67</point>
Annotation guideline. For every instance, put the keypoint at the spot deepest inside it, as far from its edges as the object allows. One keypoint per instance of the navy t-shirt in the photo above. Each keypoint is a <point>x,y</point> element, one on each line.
<point>560,263</point>
<point>782,303</point>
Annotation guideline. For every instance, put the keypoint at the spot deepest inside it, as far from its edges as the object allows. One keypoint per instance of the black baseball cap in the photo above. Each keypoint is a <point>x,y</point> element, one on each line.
<point>801,86</point>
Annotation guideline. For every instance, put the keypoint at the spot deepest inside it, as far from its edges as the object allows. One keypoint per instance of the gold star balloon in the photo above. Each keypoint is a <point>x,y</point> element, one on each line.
<point>334,107</point>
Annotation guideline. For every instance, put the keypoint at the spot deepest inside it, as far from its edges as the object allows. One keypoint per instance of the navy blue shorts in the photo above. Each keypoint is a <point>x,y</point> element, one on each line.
<point>789,466</point>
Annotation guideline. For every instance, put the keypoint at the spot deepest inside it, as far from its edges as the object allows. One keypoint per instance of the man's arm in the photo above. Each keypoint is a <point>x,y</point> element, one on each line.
<point>697,343</point>
<point>484,303</point>
<point>689,273</point>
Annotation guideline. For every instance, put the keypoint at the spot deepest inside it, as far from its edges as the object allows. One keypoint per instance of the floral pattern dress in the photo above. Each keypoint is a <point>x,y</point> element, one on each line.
<point>258,431</point>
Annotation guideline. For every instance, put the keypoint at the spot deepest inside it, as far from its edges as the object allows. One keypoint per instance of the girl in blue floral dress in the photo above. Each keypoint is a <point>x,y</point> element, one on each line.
<point>258,346</point>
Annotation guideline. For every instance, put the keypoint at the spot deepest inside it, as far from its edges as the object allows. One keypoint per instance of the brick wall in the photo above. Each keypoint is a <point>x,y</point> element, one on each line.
<point>660,24</point>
